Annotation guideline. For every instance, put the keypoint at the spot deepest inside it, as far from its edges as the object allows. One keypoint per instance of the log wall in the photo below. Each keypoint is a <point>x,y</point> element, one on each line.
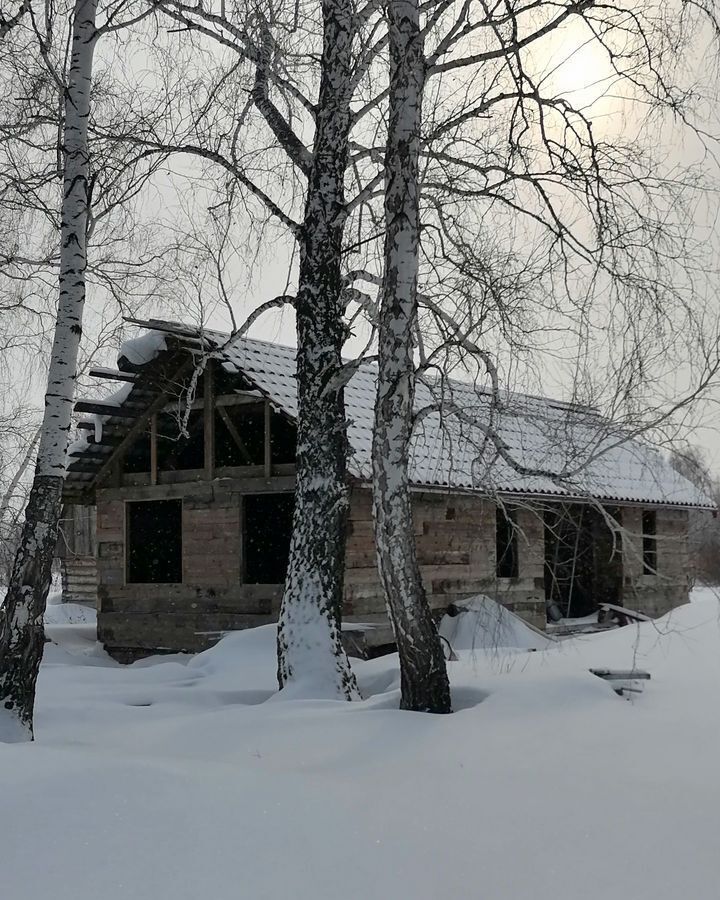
<point>657,594</point>
<point>456,548</point>
<point>211,599</point>
<point>455,537</point>
<point>77,552</point>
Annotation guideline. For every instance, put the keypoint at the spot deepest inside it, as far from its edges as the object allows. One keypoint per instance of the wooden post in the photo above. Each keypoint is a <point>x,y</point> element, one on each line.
<point>153,449</point>
<point>209,421</point>
<point>267,445</point>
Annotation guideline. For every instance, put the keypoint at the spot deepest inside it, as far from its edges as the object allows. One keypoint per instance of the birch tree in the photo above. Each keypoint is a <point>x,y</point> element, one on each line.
<point>309,638</point>
<point>505,167</point>
<point>310,652</point>
<point>600,224</point>
<point>424,681</point>
<point>21,629</point>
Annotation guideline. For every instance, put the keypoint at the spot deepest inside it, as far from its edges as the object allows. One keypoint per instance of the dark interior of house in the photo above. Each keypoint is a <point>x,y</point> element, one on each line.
<point>239,435</point>
<point>154,541</point>
<point>583,565</point>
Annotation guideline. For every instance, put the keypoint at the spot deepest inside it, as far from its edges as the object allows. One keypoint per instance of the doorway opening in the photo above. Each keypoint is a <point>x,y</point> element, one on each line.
<point>583,560</point>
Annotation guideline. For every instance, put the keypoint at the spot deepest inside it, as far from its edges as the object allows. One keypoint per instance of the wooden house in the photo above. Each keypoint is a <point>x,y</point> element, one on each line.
<point>191,468</point>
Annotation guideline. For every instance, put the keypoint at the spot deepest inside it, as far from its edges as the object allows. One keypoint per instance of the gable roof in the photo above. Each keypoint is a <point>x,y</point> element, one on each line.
<point>546,447</point>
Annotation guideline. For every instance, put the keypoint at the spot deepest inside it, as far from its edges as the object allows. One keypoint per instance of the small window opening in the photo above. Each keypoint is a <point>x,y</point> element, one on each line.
<point>506,544</point>
<point>267,529</point>
<point>154,542</point>
<point>649,538</point>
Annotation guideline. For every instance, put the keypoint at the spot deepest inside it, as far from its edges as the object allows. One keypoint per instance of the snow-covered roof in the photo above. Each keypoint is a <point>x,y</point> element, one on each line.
<point>513,443</point>
<point>459,452</point>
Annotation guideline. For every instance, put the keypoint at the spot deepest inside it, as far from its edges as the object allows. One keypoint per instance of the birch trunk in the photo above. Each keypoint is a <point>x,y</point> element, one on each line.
<point>21,625</point>
<point>310,653</point>
<point>424,680</point>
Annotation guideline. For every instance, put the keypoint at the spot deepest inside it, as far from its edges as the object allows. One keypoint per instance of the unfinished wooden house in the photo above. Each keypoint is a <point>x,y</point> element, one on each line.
<point>192,472</point>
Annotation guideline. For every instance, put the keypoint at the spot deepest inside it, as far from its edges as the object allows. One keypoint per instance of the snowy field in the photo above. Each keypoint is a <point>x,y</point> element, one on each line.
<point>175,779</point>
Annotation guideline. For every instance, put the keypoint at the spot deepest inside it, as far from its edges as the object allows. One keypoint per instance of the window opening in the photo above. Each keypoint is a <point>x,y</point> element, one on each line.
<point>154,541</point>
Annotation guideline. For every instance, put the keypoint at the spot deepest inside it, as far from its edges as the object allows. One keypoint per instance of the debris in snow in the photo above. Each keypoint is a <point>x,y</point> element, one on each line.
<point>481,623</point>
<point>623,680</point>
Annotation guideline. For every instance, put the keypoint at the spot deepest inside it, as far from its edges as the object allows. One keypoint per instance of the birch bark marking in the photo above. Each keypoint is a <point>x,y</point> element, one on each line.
<point>424,680</point>
<point>21,626</point>
<point>309,646</point>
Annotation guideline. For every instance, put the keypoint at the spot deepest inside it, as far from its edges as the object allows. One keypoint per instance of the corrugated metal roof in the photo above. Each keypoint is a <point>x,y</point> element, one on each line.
<point>560,449</point>
<point>584,453</point>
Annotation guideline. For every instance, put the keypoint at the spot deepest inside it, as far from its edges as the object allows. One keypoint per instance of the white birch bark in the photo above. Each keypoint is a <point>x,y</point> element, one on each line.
<point>21,625</point>
<point>311,659</point>
<point>424,679</point>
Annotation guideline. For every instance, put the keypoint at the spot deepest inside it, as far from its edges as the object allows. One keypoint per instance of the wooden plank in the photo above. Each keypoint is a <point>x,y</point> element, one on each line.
<point>235,485</point>
<point>170,632</point>
<point>267,445</point>
<point>153,449</point>
<point>181,331</point>
<point>101,408</point>
<point>234,433</point>
<point>112,374</point>
<point>141,422</point>
<point>85,425</point>
<point>222,602</point>
<point>626,613</point>
<point>239,398</point>
<point>209,420</point>
<point>242,398</point>
<point>87,465</point>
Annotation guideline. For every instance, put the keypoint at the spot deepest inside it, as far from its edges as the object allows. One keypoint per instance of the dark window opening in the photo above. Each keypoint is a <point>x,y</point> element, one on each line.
<point>240,436</point>
<point>267,527</point>
<point>649,539</point>
<point>506,544</point>
<point>154,542</point>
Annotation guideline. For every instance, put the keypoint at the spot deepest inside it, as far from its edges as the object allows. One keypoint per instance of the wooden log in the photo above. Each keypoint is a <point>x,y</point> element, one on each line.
<point>112,374</point>
<point>209,420</point>
<point>103,408</point>
<point>153,449</point>
<point>267,445</point>
<point>234,434</point>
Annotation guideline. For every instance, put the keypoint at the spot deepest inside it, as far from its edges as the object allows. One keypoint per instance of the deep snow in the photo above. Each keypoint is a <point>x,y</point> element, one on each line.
<point>178,778</point>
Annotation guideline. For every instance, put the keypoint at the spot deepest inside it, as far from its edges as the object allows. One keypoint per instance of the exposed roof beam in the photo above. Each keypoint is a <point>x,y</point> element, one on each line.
<point>92,451</point>
<point>84,466</point>
<point>141,421</point>
<point>103,408</point>
<point>243,398</point>
<point>112,374</point>
<point>183,331</point>
<point>85,425</point>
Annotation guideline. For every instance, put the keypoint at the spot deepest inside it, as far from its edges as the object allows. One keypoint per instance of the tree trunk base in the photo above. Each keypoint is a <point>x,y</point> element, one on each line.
<point>22,636</point>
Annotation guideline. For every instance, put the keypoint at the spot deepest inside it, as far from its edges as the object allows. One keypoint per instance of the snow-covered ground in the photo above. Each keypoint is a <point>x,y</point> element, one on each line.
<point>175,779</point>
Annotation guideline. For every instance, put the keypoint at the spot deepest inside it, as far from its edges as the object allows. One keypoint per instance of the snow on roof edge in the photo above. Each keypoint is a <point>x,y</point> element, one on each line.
<point>270,367</point>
